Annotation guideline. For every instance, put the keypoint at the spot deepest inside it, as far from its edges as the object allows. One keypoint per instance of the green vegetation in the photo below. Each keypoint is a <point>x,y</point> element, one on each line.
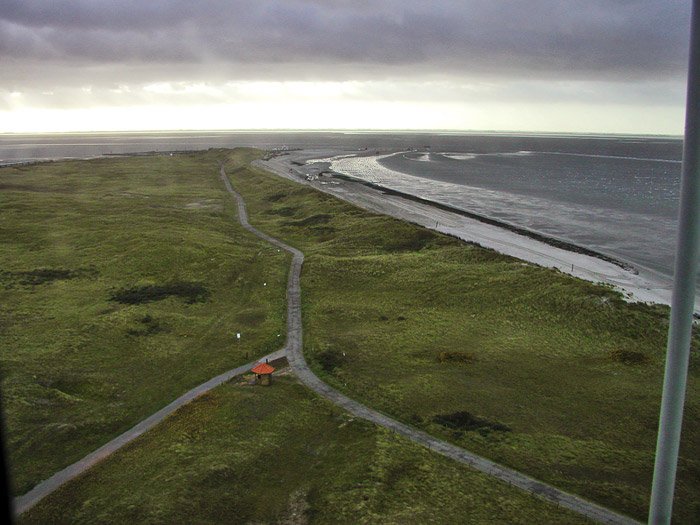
<point>123,285</point>
<point>191,292</point>
<point>389,298</point>
<point>450,356</point>
<point>628,357</point>
<point>467,422</point>
<point>125,281</point>
<point>282,454</point>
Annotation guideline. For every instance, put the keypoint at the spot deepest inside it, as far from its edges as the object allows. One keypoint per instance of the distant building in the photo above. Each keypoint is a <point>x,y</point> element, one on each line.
<point>263,374</point>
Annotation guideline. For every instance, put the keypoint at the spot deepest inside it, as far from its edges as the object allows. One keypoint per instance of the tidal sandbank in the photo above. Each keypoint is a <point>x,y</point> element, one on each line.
<point>636,283</point>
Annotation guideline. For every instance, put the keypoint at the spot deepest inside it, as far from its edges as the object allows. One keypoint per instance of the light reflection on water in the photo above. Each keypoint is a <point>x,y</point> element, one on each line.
<point>614,194</point>
<point>630,216</point>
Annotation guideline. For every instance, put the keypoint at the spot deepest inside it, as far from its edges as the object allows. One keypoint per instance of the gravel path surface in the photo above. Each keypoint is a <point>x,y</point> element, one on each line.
<point>43,489</point>
<point>294,353</point>
<point>295,356</point>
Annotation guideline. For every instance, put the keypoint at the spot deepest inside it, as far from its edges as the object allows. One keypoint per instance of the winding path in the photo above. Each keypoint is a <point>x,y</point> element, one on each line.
<point>296,359</point>
<point>295,356</point>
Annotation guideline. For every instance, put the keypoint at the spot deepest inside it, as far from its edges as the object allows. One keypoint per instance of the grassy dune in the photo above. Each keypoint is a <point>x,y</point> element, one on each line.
<point>243,454</point>
<point>561,378</point>
<point>159,235</point>
<point>124,282</point>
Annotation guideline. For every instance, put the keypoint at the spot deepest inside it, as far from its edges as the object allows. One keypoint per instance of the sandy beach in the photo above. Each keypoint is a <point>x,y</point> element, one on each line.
<point>636,284</point>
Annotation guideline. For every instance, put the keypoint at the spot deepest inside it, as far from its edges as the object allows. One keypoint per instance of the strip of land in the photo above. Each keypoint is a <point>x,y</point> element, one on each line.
<point>294,351</point>
<point>385,300</point>
<point>638,284</point>
<point>295,355</point>
<point>557,378</point>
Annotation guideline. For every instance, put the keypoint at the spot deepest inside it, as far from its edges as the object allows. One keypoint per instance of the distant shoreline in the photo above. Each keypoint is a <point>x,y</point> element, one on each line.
<point>552,241</point>
<point>635,282</point>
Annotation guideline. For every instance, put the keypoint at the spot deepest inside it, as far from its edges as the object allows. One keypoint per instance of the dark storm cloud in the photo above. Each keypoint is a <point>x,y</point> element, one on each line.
<point>326,39</point>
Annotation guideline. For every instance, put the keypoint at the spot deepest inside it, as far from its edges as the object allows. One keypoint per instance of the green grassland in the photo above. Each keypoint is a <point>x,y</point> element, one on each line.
<point>123,285</point>
<point>124,282</point>
<point>562,378</point>
<point>282,454</point>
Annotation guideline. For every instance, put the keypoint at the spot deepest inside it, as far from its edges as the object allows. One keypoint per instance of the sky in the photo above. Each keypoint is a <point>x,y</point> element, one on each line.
<point>601,66</point>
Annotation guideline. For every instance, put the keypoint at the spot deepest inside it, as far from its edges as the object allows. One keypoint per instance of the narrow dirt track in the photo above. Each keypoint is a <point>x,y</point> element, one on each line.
<point>294,352</point>
<point>295,356</point>
<point>43,489</point>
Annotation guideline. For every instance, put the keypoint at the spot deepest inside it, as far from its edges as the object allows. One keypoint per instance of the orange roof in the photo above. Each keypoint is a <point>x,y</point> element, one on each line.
<point>263,368</point>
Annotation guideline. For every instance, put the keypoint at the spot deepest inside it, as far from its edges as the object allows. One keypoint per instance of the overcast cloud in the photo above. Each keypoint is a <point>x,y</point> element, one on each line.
<point>574,38</point>
<point>111,50</point>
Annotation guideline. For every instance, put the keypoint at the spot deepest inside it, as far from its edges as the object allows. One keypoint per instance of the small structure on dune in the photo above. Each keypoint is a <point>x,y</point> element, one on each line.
<point>263,374</point>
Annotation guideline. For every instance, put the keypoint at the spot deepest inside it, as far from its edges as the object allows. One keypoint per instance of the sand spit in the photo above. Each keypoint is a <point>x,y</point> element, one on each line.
<point>637,284</point>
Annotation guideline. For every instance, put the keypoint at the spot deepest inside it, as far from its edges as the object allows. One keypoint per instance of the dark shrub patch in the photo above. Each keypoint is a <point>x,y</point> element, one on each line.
<point>627,357</point>
<point>330,360</point>
<point>321,218</point>
<point>325,230</point>
<point>190,292</point>
<point>46,275</point>
<point>415,419</point>
<point>466,422</point>
<point>39,276</point>
<point>450,356</point>
<point>251,317</point>
<point>151,327</point>
<point>275,197</point>
<point>287,211</point>
<point>414,241</point>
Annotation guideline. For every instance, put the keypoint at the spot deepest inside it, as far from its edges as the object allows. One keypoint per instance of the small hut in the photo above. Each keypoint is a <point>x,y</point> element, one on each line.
<point>263,374</point>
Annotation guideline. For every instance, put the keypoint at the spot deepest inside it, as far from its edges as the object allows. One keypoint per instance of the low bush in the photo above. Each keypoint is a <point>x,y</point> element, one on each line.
<point>329,360</point>
<point>151,326</point>
<point>627,357</point>
<point>287,211</point>
<point>319,218</point>
<point>465,421</point>
<point>190,292</point>
<point>40,276</point>
<point>451,356</point>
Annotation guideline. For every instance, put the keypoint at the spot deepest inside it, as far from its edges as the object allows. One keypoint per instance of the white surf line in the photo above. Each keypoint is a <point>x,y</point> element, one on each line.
<point>469,156</point>
<point>607,156</point>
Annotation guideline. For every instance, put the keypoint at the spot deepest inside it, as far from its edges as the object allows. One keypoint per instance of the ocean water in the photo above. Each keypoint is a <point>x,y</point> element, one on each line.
<point>614,194</point>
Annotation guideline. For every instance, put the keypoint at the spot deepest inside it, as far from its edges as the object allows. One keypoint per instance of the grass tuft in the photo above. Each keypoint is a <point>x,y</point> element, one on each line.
<point>628,357</point>
<point>465,421</point>
<point>452,356</point>
<point>329,360</point>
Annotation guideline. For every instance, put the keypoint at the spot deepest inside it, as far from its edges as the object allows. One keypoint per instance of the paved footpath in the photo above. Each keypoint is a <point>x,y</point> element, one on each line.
<point>295,356</point>
<point>296,359</point>
<point>44,488</point>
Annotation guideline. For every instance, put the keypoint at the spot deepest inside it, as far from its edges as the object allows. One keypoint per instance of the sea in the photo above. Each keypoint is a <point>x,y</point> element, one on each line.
<point>615,194</point>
